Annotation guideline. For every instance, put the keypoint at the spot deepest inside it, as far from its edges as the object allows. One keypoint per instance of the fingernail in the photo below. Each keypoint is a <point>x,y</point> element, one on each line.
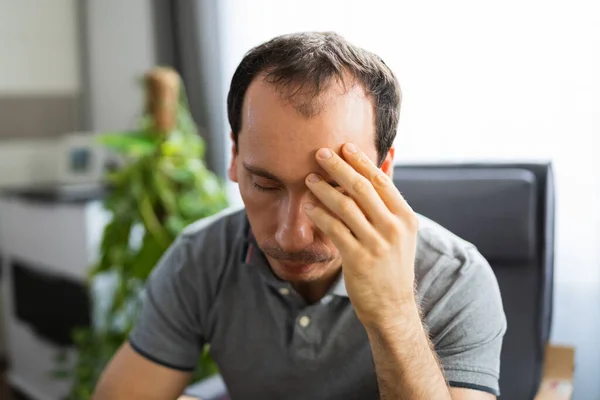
<point>308,206</point>
<point>314,178</point>
<point>324,153</point>
<point>350,148</point>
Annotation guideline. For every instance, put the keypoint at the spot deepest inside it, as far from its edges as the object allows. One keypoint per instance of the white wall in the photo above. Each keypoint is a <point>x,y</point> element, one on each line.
<point>516,79</point>
<point>38,47</point>
<point>39,53</point>
<point>120,51</point>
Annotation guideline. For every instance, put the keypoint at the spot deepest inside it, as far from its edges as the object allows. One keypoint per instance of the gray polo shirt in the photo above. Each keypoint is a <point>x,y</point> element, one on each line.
<point>215,286</point>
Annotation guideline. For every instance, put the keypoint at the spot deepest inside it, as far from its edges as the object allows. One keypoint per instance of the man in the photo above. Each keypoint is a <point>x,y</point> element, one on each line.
<point>327,285</point>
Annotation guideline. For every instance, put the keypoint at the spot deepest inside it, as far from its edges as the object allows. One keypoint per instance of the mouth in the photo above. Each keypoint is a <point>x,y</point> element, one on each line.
<point>296,267</point>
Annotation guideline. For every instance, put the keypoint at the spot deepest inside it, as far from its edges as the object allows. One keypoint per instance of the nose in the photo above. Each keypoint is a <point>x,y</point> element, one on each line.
<point>295,229</point>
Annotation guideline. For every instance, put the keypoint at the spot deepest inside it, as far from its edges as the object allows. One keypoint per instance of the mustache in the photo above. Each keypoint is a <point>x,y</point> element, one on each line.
<point>305,256</point>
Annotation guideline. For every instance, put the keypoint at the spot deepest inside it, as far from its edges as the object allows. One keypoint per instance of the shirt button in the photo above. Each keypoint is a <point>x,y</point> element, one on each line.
<point>304,321</point>
<point>284,291</point>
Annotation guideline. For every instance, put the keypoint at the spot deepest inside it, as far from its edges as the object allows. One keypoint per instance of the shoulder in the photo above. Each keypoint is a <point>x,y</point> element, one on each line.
<point>196,263</point>
<point>435,241</point>
<point>441,252</point>
<point>204,247</point>
<point>461,305</point>
<point>228,221</point>
<point>451,272</point>
<point>219,233</point>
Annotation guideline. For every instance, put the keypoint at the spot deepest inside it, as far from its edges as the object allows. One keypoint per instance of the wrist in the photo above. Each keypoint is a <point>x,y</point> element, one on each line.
<point>401,318</point>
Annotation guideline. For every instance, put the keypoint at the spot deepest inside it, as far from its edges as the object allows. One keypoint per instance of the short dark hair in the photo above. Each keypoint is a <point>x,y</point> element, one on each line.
<point>306,63</point>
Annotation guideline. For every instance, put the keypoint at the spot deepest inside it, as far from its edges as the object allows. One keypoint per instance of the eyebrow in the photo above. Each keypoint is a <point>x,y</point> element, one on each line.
<point>258,171</point>
<point>261,172</point>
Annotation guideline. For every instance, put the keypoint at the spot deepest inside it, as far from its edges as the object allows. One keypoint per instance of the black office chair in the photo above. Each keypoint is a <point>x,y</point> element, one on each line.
<point>507,211</point>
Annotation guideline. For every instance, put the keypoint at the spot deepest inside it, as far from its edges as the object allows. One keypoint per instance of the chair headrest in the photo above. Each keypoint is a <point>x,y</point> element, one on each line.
<point>494,208</point>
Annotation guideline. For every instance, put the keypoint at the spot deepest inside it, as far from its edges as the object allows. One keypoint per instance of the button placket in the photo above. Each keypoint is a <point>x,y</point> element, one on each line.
<point>307,335</point>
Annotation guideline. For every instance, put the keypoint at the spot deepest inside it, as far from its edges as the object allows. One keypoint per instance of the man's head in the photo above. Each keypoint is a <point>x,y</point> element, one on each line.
<point>288,98</point>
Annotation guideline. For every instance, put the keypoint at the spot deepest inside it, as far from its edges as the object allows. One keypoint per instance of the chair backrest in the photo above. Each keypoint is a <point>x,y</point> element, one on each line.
<point>507,211</point>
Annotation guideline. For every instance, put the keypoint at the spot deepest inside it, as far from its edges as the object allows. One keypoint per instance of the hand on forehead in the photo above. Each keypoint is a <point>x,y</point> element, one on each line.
<point>277,137</point>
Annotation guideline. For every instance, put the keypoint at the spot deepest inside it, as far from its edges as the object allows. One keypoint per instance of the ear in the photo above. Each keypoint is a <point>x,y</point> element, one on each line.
<point>233,165</point>
<point>388,163</point>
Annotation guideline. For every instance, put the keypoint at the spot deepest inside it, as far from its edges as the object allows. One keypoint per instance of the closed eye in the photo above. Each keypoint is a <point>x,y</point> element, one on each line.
<point>264,188</point>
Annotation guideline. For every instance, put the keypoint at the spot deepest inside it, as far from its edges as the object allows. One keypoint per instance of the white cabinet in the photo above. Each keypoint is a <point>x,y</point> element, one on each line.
<point>54,239</point>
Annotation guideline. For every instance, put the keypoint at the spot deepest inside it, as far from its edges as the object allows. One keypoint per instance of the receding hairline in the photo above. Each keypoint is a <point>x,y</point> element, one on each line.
<point>309,100</point>
<point>309,61</point>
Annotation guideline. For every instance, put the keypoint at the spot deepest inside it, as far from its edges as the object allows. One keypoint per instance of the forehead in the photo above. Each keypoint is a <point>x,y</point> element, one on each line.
<point>278,137</point>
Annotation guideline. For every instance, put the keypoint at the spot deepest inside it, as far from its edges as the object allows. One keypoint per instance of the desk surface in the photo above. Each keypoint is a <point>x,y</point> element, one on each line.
<point>74,193</point>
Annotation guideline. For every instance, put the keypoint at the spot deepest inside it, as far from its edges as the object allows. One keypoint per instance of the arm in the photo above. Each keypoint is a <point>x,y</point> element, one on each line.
<point>165,343</point>
<point>130,376</point>
<point>474,353</point>
<point>408,368</point>
<point>405,363</point>
<point>375,231</point>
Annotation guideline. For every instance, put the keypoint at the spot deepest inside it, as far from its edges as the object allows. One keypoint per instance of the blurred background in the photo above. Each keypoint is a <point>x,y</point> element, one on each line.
<point>511,81</point>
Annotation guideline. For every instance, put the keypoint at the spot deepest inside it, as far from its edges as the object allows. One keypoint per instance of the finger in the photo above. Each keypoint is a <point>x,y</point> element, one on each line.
<point>334,229</point>
<point>344,207</point>
<point>381,182</point>
<point>356,185</point>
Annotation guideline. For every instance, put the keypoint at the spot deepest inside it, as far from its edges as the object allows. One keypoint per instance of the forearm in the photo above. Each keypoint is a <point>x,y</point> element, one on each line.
<point>407,368</point>
<point>376,232</point>
<point>130,376</point>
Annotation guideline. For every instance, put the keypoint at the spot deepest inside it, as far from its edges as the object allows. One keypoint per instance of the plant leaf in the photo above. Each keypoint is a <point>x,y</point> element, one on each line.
<point>133,144</point>
<point>161,184</point>
<point>147,257</point>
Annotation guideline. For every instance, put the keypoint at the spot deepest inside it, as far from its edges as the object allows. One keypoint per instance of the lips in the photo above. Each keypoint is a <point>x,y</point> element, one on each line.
<point>295,267</point>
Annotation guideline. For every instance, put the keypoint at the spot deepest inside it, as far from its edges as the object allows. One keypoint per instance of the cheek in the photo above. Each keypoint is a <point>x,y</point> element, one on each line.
<point>254,198</point>
<point>258,202</point>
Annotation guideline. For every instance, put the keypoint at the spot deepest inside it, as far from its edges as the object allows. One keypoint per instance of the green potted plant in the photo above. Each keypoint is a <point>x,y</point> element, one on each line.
<point>160,186</point>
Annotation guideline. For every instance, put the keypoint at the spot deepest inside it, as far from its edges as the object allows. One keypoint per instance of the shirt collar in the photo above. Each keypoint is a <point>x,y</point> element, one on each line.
<point>253,257</point>
<point>339,286</point>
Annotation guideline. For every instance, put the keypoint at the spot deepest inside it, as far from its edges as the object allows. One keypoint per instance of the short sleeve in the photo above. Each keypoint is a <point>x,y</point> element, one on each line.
<point>168,329</point>
<point>467,323</point>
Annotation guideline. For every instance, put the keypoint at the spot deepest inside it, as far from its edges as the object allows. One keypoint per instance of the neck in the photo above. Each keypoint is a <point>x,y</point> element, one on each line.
<point>314,291</point>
